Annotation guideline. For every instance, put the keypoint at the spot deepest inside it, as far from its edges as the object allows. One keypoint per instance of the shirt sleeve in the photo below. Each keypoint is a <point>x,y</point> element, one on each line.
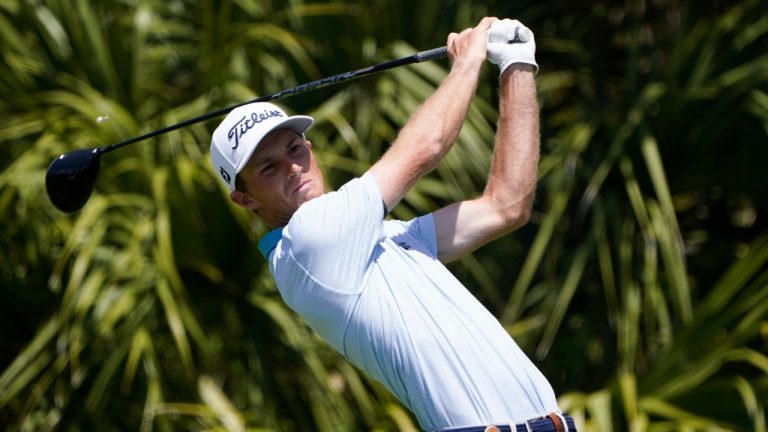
<point>333,237</point>
<point>418,234</point>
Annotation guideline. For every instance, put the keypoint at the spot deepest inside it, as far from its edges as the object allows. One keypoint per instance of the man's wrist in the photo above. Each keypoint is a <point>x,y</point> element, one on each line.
<point>518,68</point>
<point>467,65</point>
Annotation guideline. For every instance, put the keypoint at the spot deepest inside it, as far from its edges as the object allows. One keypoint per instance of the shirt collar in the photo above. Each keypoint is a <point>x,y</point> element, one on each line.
<point>268,242</point>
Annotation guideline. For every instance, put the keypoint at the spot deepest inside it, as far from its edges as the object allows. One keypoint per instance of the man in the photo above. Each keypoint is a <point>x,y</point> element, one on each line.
<point>377,290</point>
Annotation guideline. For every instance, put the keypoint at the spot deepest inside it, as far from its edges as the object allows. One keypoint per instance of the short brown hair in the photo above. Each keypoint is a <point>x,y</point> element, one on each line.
<point>239,184</point>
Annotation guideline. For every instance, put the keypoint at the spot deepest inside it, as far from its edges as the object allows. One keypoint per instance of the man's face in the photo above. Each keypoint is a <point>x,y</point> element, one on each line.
<point>281,175</point>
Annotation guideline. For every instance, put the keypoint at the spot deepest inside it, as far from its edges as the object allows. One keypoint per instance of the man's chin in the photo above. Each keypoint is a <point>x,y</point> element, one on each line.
<point>307,199</point>
<point>309,195</point>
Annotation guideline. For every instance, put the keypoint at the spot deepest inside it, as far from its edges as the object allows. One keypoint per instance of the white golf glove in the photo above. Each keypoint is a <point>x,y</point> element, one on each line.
<point>509,41</point>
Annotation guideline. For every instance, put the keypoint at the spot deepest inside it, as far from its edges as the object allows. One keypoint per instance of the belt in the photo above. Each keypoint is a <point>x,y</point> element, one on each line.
<point>552,422</point>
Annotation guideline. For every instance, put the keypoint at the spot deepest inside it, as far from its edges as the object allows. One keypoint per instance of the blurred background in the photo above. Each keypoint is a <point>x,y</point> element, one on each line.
<point>640,287</point>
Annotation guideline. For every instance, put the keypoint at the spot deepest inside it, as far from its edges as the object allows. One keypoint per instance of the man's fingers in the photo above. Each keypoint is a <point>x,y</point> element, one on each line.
<point>510,42</point>
<point>470,41</point>
<point>451,37</point>
<point>509,31</point>
<point>456,40</point>
<point>486,22</point>
<point>524,34</point>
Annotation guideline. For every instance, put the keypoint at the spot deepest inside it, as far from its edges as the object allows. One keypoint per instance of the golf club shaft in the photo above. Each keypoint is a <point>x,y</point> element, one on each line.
<point>419,57</point>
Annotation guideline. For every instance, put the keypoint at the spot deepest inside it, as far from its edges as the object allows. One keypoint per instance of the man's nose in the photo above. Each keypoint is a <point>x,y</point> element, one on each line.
<point>293,168</point>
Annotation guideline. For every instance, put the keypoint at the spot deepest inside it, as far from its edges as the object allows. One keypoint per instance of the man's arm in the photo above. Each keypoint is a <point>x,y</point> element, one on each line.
<point>432,129</point>
<point>508,197</point>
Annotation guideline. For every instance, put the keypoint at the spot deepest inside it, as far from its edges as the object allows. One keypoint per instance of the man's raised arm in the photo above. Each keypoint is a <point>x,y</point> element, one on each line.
<point>432,129</point>
<point>508,197</point>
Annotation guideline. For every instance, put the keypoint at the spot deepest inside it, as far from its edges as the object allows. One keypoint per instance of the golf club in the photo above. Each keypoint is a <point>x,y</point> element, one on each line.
<point>71,177</point>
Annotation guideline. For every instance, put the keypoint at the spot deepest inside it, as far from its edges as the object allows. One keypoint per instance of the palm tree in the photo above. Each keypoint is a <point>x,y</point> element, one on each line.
<point>152,309</point>
<point>620,270</point>
<point>129,283</point>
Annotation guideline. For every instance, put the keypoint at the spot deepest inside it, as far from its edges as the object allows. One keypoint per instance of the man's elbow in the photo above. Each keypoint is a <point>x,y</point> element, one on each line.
<point>434,149</point>
<point>514,215</point>
<point>518,217</point>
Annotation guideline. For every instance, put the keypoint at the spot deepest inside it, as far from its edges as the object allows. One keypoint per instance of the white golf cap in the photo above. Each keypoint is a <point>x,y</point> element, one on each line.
<point>241,131</point>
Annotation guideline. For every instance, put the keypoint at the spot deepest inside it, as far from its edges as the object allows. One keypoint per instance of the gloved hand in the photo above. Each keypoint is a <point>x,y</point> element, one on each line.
<point>509,41</point>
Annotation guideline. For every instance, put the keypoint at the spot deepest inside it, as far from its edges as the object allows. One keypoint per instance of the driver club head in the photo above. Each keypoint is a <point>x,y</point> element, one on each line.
<point>70,179</point>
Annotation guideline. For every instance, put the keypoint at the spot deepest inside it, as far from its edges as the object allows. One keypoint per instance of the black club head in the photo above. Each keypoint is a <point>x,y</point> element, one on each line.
<point>71,177</point>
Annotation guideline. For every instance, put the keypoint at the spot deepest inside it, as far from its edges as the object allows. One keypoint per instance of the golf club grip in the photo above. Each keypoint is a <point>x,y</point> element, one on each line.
<point>433,54</point>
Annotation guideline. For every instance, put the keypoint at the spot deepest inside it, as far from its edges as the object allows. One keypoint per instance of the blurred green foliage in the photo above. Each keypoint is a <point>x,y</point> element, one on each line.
<point>640,287</point>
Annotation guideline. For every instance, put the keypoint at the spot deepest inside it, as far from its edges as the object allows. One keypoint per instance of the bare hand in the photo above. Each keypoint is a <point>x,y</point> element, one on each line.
<point>469,47</point>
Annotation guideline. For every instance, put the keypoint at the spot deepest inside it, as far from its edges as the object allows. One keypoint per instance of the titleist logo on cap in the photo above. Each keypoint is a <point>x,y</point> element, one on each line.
<point>246,123</point>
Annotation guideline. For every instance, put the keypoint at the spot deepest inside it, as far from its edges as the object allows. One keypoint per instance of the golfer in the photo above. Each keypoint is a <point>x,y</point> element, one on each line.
<point>377,290</point>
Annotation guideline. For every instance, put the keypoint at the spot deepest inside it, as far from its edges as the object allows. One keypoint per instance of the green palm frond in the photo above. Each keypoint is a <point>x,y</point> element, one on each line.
<point>639,287</point>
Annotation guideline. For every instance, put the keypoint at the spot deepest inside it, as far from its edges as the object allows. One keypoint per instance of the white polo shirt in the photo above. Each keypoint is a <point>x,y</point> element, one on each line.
<point>377,293</point>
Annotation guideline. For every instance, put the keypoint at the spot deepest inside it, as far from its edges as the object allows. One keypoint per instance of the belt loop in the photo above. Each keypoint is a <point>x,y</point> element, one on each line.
<point>513,427</point>
<point>565,423</point>
<point>527,427</point>
<point>556,421</point>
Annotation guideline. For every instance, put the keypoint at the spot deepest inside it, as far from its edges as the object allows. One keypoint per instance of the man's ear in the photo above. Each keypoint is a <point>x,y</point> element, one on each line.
<point>243,200</point>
